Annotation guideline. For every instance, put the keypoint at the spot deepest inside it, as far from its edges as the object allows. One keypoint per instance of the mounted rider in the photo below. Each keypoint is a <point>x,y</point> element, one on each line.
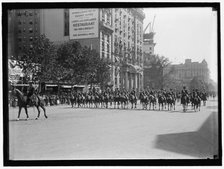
<point>133,92</point>
<point>172,93</point>
<point>195,93</point>
<point>164,92</point>
<point>30,93</point>
<point>184,93</point>
<point>94,90</point>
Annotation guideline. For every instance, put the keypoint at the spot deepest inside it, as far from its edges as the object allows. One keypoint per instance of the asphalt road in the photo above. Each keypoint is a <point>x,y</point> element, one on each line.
<point>84,133</point>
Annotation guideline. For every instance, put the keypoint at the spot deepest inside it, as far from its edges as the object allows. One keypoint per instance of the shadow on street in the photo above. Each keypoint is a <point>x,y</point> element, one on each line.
<point>202,143</point>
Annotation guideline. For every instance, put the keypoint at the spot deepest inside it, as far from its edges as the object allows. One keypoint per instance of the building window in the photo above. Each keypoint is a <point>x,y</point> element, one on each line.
<point>24,30</point>
<point>31,22</point>
<point>19,31</point>
<point>31,38</point>
<point>108,19</point>
<point>108,47</point>
<point>31,30</point>
<point>108,56</point>
<point>26,13</point>
<point>20,39</point>
<point>19,13</point>
<point>19,22</point>
<point>31,13</point>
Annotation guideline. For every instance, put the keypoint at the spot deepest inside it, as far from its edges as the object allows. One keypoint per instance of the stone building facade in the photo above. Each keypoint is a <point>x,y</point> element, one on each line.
<point>119,38</point>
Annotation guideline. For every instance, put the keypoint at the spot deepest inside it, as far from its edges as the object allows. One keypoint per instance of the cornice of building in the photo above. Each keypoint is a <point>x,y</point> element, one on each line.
<point>139,12</point>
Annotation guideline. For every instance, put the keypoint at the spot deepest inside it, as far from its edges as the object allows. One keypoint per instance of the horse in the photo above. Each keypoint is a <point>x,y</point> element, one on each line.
<point>96,100</point>
<point>170,102</point>
<point>204,98</point>
<point>161,100</point>
<point>152,101</point>
<point>124,100</point>
<point>89,100</point>
<point>101,100</point>
<point>117,100</point>
<point>106,99</point>
<point>80,99</point>
<point>144,100</point>
<point>196,102</point>
<point>22,103</point>
<point>185,101</point>
<point>73,99</point>
<point>133,100</point>
<point>111,99</point>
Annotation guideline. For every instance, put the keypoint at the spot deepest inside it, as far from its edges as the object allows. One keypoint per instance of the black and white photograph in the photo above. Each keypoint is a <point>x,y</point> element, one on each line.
<point>111,81</point>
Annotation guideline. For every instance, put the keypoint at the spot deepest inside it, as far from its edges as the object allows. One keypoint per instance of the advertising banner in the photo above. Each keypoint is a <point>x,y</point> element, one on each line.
<point>83,23</point>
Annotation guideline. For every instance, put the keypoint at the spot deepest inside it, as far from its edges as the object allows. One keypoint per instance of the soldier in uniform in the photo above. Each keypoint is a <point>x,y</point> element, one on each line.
<point>31,90</point>
<point>184,92</point>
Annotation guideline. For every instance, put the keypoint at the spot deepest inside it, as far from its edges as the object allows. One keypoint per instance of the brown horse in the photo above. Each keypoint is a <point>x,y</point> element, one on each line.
<point>22,103</point>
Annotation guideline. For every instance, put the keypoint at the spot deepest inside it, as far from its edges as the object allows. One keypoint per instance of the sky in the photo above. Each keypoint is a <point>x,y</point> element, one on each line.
<point>185,33</point>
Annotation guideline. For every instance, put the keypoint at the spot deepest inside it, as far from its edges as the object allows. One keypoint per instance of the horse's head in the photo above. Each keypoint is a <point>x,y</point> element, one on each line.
<point>16,92</point>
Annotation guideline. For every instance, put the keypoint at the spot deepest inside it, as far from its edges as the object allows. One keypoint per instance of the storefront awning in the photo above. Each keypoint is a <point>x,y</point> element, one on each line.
<point>66,86</point>
<point>51,85</point>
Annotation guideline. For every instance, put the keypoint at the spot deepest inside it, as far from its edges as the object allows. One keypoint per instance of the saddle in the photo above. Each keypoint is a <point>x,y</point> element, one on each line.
<point>33,99</point>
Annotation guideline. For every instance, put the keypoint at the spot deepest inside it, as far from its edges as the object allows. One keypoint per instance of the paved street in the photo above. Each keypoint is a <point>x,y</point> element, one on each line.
<point>83,133</point>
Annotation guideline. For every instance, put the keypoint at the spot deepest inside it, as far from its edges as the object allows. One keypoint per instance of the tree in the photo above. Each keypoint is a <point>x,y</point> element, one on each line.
<point>36,59</point>
<point>82,64</point>
<point>198,83</point>
<point>157,64</point>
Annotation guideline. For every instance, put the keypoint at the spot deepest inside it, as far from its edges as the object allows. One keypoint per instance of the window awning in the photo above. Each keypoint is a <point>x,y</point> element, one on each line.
<point>20,85</point>
<point>80,86</point>
<point>51,85</point>
<point>66,86</point>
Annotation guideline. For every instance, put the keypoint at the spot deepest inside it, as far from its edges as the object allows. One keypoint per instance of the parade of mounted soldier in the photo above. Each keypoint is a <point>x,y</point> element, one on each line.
<point>147,99</point>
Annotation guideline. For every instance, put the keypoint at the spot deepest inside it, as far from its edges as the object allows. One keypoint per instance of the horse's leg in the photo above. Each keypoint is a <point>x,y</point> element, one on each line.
<point>45,115</point>
<point>19,113</point>
<point>38,112</point>
<point>185,107</point>
<point>27,116</point>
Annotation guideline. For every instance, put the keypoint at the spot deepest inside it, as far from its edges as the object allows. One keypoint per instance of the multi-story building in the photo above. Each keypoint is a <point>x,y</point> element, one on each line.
<point>116,34</point>
<point>128,47</point>
<point>187,71</point>
<point>152,73</point>
<point>25,24</point>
